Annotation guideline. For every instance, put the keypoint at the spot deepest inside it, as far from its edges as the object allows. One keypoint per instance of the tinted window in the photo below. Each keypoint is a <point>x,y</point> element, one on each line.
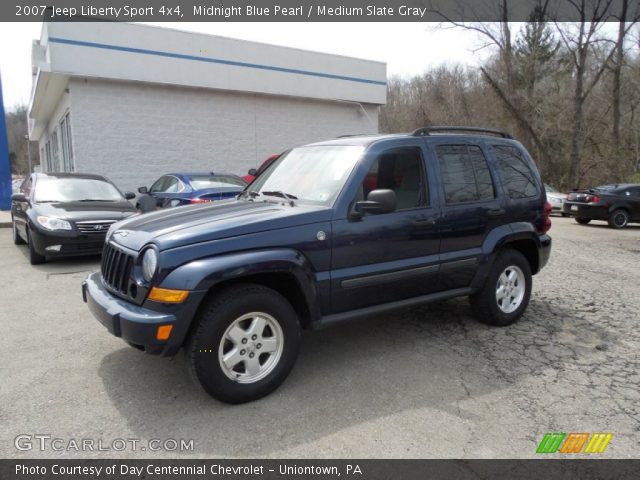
<point>199,182</point>
<point>402,171</point>
<point>51,189</point>
<point>160,184</point>
<point>517,178</point>
<point>465,173</point>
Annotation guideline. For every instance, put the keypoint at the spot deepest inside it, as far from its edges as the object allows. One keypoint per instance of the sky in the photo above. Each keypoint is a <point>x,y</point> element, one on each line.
<point>407,48</point>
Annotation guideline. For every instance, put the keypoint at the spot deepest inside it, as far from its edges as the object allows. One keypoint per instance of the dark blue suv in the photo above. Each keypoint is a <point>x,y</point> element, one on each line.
<point>329,232</point>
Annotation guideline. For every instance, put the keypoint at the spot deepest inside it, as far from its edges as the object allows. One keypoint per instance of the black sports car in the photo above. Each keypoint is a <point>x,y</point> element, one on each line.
<point>617,204</point>
<point>66,214</point>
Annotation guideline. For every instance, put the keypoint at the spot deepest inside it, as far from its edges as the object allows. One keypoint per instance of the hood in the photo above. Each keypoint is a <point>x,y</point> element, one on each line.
<point>80,211</point>
<point>179,226</point>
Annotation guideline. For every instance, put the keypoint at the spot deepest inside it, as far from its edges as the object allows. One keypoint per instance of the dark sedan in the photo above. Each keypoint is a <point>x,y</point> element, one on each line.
<point>176,189</point>
<point>66,214</point>
<point>617,204</point>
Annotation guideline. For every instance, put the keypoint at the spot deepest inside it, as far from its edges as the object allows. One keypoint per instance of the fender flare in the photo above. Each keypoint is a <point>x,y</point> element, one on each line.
<point>205,273</point>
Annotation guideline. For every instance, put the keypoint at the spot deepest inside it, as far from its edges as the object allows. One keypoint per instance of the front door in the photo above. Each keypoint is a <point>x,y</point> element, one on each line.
<point>381,258</point>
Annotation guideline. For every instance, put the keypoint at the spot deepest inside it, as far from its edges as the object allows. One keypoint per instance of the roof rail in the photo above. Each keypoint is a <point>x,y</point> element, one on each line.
<point>355,135</point>
<point>425,131</point>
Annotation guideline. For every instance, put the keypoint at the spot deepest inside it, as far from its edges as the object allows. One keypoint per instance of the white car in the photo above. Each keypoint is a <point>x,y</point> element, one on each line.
<point>556,199</point>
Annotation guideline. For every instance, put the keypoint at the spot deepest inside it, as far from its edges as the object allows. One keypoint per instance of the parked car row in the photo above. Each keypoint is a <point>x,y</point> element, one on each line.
<point>617,204</point>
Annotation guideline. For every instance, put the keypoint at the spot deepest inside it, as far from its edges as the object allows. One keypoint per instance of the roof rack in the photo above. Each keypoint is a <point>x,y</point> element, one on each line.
<point>425,131</point>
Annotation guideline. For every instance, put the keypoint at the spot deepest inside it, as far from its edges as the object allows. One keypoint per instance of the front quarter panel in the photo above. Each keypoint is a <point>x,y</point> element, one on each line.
<point>204,274</point>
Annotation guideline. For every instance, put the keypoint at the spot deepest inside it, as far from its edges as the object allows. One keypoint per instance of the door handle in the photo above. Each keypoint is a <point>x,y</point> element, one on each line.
<point>424,222</point>
<point>495,212</point>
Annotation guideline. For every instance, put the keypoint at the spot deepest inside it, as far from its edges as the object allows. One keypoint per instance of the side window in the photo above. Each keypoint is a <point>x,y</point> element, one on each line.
<point>517,178</point>
<point>173,185</point>
<point>400,170</point>
<point>465,174</point>
<point>159,186</point>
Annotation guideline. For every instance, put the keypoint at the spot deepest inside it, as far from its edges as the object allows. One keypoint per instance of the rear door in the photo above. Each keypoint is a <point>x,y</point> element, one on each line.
<point>392,256</point>
<point>471,208</point>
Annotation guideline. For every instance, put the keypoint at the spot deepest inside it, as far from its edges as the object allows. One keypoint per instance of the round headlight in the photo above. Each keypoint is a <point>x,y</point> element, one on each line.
<point>149,264</point>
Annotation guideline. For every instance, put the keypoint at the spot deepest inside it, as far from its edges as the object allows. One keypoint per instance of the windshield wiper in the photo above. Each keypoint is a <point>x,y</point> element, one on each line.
<point>249,193</point>
<point>280,193</point>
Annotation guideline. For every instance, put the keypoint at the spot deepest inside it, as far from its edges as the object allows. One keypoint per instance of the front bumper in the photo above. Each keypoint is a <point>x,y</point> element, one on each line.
<point>71,243</point>
<point>138,325</point>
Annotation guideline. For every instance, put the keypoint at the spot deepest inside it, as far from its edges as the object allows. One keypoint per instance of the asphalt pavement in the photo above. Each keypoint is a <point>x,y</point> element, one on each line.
<point>421,383</point>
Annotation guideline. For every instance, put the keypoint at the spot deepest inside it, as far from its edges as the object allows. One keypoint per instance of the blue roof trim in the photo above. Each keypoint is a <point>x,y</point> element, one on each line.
<point>220,61</point>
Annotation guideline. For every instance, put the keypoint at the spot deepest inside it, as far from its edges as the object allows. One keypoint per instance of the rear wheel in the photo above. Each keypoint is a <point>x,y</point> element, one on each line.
<point>17,239</point>
<point>34,257</point>
<point>245,344</point>
<point>619,218</point>
<point>582,221</point>
<point>506,292</point>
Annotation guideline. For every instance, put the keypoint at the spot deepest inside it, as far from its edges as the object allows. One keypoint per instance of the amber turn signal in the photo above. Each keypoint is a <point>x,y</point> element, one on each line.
<point>163,332</point>
<point>166,295</point>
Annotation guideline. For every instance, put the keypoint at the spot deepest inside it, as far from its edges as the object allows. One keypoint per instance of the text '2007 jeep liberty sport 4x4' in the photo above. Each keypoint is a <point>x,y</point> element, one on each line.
<point>330,231</point>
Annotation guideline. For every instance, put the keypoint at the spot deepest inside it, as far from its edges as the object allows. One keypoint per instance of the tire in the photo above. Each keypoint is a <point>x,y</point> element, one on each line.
<point>17,239</point>
<point>34,257</point>
<point>582,221</point>
<point>226,325</point>
<point>619,218</point>
<point>512,269</point>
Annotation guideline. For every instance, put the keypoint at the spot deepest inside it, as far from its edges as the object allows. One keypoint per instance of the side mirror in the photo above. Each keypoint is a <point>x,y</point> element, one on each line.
<point>253,172</point>
<point>378,201</point>
<point>143,190</point>
<point>18,197</point>
<point>129,195</point>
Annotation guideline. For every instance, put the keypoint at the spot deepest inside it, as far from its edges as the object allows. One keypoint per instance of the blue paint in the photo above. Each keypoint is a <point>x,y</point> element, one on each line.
<point>220,61</point>
<point>5,167</point>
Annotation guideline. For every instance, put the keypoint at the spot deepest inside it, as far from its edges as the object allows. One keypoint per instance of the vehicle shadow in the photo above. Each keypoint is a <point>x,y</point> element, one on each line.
<point>64,265</point>
<point>431,357</point>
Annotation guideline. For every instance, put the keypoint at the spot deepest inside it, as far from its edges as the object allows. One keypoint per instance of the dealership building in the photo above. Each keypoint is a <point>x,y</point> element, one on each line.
<point>133,102</point>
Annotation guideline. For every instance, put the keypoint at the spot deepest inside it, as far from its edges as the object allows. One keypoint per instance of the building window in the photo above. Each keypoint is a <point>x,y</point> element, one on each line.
<point>65,137</point>
<point>54,151</point>
<point>47,149</point>
<point>465,174</point>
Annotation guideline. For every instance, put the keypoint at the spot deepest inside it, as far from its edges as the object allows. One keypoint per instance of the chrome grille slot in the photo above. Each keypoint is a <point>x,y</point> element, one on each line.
<point>116,268</point>
<point>94,227</point>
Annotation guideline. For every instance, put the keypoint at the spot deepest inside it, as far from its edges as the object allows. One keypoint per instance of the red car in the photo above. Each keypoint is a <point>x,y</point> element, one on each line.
<point>253,173</point>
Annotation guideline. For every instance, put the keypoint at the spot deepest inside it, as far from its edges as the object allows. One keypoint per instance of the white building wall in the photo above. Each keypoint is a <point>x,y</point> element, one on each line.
<point>133,132</point>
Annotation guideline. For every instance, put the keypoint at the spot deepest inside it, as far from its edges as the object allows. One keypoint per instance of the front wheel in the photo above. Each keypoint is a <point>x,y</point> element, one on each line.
<point>245,343</point>
<point>34,257</point>
<point>506,292</point>
<point>17,239</point>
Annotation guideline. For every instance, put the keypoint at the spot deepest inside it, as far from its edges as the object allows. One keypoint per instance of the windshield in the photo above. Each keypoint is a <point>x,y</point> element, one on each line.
<point>69,189</point>
<point>200,182</point>
<point>312,174</point>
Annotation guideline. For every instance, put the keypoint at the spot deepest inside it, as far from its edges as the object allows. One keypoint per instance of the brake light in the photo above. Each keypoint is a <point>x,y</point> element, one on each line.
<point>546,218</point>
<point>200,200</point>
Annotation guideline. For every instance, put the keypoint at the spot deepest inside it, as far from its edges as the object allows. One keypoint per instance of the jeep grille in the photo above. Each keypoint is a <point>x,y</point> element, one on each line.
<point>116,268</point>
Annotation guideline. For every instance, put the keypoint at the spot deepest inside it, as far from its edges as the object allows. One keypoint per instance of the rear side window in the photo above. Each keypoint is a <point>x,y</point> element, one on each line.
<point>465,174</point>
<point>516,175</point>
